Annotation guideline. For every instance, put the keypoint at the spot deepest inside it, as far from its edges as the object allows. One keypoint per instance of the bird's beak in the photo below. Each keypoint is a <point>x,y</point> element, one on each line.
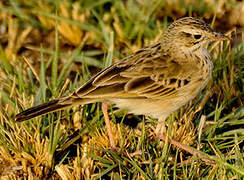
<point>220,37</point>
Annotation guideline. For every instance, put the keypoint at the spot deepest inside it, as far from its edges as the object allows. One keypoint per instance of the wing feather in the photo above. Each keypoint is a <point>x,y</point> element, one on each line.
<point>142,75</point>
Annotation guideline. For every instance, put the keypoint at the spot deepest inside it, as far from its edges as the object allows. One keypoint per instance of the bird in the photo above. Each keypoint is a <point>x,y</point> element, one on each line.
<point>154,81</point>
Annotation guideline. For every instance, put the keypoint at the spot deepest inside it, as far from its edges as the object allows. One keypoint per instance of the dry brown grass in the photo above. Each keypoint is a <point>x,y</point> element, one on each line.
<point>74,145</point>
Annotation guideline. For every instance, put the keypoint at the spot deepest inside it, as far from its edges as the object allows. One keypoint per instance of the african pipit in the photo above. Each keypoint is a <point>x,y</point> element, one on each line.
<point>154,81</point>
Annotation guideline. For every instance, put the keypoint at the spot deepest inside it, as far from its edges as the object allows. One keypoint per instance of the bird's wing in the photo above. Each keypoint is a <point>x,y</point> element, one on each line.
<point>148,73</point>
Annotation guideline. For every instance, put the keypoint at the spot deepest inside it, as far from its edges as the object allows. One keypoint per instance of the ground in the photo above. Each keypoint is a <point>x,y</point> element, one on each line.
<point>50,48</point>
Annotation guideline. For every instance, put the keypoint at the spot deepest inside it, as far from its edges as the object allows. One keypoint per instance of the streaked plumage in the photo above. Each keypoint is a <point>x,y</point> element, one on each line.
<point>155,80</point>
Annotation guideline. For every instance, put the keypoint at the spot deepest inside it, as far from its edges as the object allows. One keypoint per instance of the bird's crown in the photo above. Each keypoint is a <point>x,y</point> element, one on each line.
<point>191,32</point>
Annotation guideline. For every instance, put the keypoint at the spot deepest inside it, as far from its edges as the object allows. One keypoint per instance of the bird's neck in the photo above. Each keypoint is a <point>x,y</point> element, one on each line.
<point>183,53</point>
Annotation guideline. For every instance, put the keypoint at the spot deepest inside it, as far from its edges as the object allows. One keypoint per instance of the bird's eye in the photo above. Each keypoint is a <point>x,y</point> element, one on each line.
<point>197,36</point>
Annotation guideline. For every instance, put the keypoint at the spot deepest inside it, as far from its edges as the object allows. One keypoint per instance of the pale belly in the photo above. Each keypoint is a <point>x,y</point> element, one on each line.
<point>160,108</point>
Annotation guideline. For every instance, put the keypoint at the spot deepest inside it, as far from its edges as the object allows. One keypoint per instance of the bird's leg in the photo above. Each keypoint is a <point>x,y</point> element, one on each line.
<point>160,128</point>
<point>204,101</point>
<point>206,96</point>
<point>107,121</point>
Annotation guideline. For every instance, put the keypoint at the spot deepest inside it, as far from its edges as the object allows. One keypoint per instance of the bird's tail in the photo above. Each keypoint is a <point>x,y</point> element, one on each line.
<point>51,106</point>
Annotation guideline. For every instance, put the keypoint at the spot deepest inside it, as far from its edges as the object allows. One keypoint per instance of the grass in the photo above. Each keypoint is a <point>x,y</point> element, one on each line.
<point>48,49</point>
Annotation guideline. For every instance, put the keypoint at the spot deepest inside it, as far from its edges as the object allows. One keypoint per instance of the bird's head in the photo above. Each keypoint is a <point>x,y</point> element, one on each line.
<point>191,33</point>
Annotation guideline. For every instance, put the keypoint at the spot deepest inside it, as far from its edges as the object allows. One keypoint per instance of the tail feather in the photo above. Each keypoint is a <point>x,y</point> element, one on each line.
<point>54,105</point>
